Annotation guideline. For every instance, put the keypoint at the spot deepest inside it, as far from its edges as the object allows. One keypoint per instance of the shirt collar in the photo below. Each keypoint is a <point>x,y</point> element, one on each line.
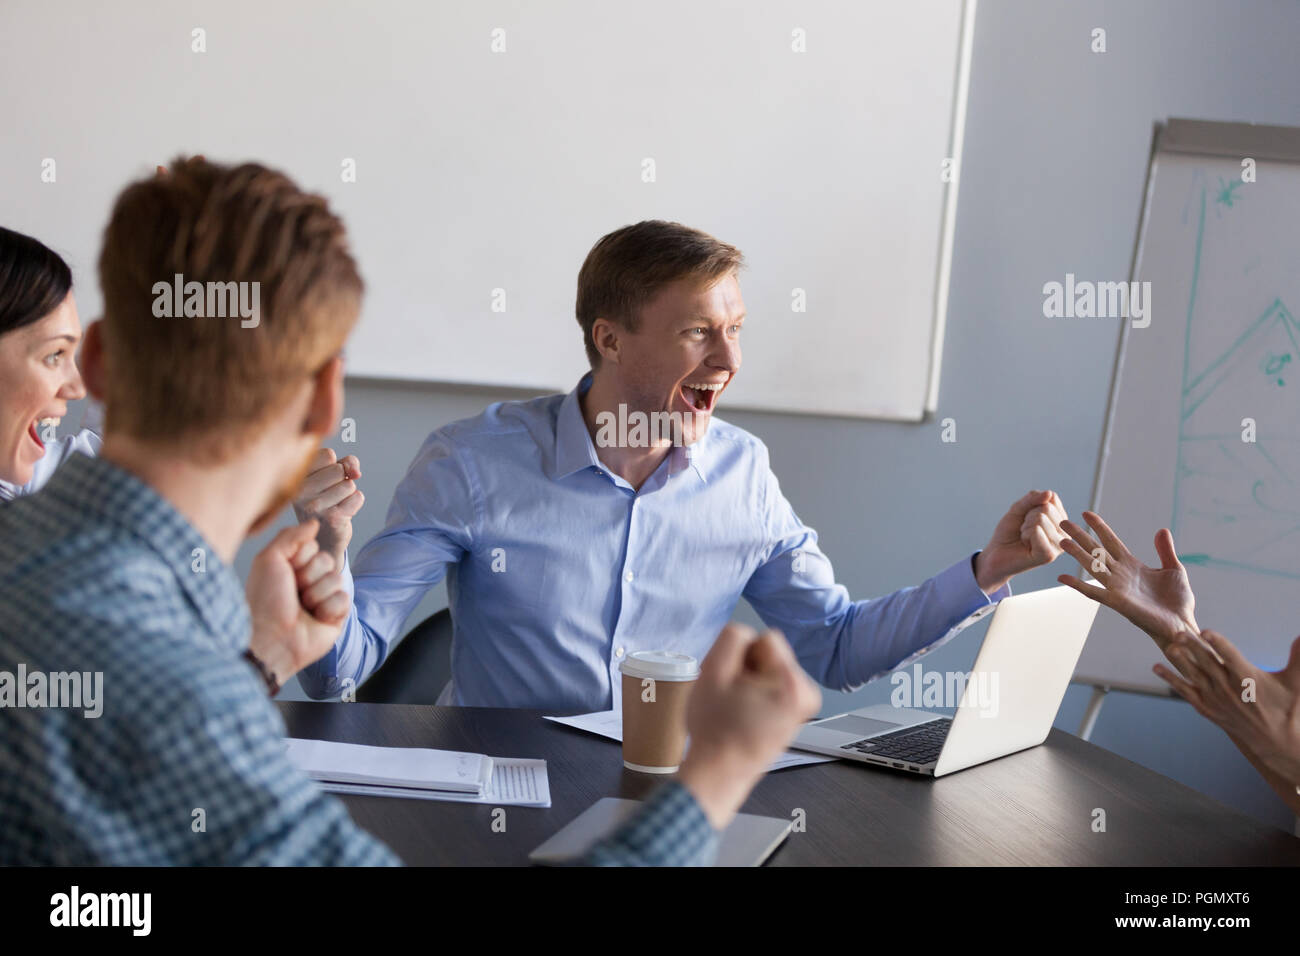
<point>574,450</point>
<point>96,490</point>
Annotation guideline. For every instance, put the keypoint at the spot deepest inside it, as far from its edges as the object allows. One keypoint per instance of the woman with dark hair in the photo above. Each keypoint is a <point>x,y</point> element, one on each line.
<point>39,333</point>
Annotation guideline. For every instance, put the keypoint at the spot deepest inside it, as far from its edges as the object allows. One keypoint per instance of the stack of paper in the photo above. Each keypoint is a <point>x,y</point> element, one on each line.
<point>421,773</point>
<point>416,768</point>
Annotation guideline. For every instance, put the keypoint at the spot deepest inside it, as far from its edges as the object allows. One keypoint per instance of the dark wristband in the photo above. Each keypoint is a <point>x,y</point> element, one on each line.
<point>272,685</point>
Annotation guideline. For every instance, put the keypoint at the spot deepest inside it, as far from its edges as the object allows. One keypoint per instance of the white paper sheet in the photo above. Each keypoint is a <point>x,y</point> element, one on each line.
<point>609,724</point>
<point>401,767</point>
<point>516,781</point>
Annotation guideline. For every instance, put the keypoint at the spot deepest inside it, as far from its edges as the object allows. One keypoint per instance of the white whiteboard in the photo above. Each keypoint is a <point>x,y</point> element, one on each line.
<point>478,171</point>
<point>1223,346</point>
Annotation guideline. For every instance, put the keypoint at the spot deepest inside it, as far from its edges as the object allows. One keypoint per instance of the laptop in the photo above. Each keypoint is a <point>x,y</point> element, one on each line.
<point>1005,704</point>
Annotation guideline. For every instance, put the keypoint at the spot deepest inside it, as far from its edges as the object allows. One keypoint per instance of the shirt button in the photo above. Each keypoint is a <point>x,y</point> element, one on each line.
<point>619,653</point>
<point>627,576</point>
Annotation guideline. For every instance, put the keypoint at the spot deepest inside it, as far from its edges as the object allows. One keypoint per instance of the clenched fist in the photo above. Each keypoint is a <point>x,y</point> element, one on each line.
<point>1027,536</point>
<point>296,600</point>
<point>751,699</point>
<point>329,494</point>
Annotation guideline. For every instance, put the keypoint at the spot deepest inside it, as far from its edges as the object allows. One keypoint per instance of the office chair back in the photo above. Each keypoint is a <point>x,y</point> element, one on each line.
<point>416,669</point>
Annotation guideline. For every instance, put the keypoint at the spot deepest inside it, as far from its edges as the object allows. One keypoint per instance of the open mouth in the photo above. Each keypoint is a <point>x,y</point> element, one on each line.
<point>34,429</point>
<point>702,396</point>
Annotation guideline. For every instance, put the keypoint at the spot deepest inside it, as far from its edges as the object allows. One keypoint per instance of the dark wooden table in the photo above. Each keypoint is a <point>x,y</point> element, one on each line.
<point>1034,808</point>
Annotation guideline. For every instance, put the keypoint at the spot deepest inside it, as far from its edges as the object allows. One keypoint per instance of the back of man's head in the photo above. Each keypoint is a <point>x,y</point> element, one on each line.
<point>225,289</point>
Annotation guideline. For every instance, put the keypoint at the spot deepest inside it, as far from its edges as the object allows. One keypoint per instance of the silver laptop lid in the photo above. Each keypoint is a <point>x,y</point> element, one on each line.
<point>1019,678</point>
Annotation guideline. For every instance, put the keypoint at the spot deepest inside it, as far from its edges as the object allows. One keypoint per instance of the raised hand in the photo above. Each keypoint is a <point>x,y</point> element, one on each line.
<point>296,600</point>
<point>1026,537</point>
<point>329,494</point>
<point>750,701</point>
<point>1158,600</point>
<point>1258,709</point>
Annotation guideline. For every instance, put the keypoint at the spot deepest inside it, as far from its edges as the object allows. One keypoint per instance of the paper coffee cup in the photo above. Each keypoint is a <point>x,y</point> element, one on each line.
<point>656,685</point>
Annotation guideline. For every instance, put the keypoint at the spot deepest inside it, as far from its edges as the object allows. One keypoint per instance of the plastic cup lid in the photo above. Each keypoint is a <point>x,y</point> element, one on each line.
<point>660,665</point>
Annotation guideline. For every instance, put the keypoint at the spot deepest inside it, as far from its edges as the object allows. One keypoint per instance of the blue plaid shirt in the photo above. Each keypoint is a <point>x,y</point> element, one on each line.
<point>185,764</point>
<point>669,830</point>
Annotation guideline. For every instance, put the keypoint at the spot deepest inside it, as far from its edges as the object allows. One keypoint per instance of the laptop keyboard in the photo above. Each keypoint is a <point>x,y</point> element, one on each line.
<point>919,745</point>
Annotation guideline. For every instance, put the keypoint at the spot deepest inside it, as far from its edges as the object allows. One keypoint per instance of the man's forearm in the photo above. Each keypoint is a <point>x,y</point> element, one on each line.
<point>323,678</point>
<point>988,583</point>
<point>670,829</point>
<point>893,630</point>
<point>720,783</point>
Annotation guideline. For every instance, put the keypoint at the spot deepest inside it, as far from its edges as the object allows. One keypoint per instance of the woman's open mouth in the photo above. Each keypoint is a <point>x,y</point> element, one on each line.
<point>702,396</point>
<point>34,430</point>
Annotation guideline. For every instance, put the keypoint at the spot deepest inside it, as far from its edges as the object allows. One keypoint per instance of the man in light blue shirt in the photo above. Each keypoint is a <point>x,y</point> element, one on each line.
<point>571,537</point>
<point>134,722</point>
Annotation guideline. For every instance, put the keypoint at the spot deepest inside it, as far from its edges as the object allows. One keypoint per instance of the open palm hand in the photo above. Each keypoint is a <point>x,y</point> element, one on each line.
<point>1158,600</point>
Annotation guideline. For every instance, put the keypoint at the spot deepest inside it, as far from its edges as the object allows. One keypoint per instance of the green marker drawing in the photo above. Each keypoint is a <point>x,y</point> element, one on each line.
<point>1226,481</point>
